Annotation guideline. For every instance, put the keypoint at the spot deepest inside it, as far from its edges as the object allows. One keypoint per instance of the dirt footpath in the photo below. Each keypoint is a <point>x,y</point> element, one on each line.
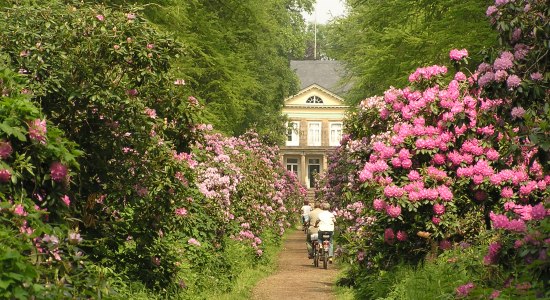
<point>296,277</point>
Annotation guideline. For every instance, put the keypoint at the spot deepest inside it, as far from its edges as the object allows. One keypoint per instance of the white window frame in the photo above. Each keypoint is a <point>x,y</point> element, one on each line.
<point>314,100</point>
<point>335,135</point>
<point>295,135</point>
<point>294,166</point>
<point>314,135</point>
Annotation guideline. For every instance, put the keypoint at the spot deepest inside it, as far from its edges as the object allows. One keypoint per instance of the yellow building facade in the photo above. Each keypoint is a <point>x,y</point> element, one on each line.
<point>314,128</point>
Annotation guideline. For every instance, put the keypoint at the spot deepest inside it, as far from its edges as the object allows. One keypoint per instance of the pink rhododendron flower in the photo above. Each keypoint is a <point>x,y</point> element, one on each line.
<point>58,171</point>
<point>193,241</point>
<point>5,175</point>
<point>151,113</point>
<point>393,191</point>
<point>513,81</point>
<point>538,212</point>
<point>516,34</point>
<point>413,175</point>
<point>536,76</point>
<point>360,255</point>
<point>492,253</point>
<point>132,92</point>
<point>439,159</point>
<point>74,238</point>
<point>445,245</point>
<point>491,10</point>
<point>181,211</point>
<point>486,78</point>
<point>100,17</point>
<point>193,101</point>
<point>37,130</point>
<point>507,192</point>
<point>517,112</point>
<point>66,200</point>
<point>436,220</point>
<point>402,236</point>
<point>5,149</point>
<point>365,175</point>
<point>130,16</point>
<point>501,75</point>
<point>492,154</point>
<point>389,236</point>
<point>439,209</point>
<point>378,204</point>
<point>464,290</point>
<point>459,76</point>
<point>427,73</point>
<point>445,193</point>
<point>457,55</point>
<point>406,164</point>
<point>393,211</point>
<point>495,294</point>
<point>501,2</point>
<point>19,210</point>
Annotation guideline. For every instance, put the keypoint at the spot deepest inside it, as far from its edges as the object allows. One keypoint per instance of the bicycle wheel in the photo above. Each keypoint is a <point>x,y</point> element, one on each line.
<point>315,256</point>
<point>316,260</point>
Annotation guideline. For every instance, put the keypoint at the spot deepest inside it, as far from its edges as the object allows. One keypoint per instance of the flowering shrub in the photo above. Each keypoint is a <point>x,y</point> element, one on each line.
<point>124,111</point>
<point>141,200</point>
<point>245,183</point>
<point>41,253</point>
<point>444,161</point>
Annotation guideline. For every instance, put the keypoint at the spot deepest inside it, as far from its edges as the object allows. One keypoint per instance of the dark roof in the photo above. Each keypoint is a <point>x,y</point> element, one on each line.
<point>325,73</point>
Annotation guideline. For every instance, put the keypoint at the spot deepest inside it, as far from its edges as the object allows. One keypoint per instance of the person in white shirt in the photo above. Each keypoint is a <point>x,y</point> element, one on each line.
<point>325,222</point>
<point>305,210</point>
<point>312,230</point>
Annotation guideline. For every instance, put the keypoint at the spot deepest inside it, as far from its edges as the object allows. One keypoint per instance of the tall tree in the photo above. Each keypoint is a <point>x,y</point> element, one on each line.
<point>382,42</point>
<point>237,56</point>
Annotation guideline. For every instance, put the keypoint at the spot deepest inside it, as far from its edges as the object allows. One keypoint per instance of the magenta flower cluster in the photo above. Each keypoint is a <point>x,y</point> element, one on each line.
<point>457,55</point>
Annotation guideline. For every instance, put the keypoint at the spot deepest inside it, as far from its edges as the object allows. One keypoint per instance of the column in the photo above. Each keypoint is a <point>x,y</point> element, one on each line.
<point>303,171</point>
<point>325,163</point>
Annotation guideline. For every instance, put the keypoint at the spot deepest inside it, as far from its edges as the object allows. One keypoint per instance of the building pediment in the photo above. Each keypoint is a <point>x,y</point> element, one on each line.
<point>314,96</point>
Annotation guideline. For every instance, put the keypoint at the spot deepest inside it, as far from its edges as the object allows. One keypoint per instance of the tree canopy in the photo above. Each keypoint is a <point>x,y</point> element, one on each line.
<point>236,56</point>
<point>382,42</point>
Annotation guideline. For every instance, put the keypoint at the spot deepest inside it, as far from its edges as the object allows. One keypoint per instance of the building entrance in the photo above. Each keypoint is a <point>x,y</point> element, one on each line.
<point>314,167</point>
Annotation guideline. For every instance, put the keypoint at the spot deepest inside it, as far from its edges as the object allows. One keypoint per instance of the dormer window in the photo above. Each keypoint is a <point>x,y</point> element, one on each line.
<point>314,99</point>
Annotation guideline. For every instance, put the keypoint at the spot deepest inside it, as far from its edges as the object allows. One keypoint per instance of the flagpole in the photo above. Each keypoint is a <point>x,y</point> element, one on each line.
<point>315,34</point>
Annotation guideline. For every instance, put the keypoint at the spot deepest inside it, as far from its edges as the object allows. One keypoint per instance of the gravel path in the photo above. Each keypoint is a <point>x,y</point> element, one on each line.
<point>296,277</point>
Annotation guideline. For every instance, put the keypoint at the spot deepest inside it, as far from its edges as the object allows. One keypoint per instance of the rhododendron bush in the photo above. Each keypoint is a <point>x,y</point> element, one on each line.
<point>38,246</point>
<point>131,192</point>
<point>454,160</point>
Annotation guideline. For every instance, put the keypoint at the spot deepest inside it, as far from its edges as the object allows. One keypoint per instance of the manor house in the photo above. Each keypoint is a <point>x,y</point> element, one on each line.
<point>315,116</point>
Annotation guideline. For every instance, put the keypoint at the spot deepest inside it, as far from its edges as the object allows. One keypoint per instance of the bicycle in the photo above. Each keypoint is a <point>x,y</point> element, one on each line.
<point>321,251</point>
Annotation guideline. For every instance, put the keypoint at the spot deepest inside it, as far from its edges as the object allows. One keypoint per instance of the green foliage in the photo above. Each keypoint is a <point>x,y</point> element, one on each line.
<point>436,279</point>
<point>123,109</point>
<point>40,251</point>
<point>127,215</point>
<point>381,43</point>
<point>236,57</point>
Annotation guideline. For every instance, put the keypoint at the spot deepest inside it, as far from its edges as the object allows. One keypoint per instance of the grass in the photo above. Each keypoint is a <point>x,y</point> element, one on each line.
<point>344,293</point>
<point>242,288</point>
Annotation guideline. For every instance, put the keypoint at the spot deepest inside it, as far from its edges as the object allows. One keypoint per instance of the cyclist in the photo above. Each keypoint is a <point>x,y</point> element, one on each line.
<point>325,223</point>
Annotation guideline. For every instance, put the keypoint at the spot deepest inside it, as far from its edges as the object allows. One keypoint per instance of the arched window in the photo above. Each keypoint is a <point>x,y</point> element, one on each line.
<point>314,99</point>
